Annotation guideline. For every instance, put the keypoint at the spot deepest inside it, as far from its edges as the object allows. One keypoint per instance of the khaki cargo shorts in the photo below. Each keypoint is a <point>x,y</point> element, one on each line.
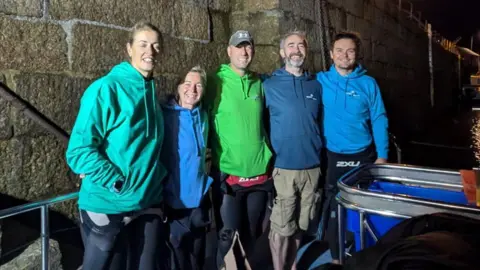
<point>296,204</point>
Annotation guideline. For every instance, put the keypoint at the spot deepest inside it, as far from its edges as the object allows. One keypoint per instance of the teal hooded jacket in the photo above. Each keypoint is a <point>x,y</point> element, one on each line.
<point>116,142</point>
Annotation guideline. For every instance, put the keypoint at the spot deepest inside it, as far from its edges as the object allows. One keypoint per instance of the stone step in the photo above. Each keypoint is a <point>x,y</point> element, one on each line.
<point>21,247</point>
<point>31,257</point>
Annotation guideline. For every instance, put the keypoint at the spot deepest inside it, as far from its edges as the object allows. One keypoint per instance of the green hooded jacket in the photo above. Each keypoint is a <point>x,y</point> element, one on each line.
<point>116,142</point>
<point>236,106</point>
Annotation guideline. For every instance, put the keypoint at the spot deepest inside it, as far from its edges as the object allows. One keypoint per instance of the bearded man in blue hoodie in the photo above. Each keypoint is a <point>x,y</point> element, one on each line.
<point>355,123</point>
<point>293,100</point>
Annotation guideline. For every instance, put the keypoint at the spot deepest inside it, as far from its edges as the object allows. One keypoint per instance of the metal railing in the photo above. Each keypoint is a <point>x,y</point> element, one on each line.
<point>398,150</point>
<point>45,224</point>
<point>407,7</point>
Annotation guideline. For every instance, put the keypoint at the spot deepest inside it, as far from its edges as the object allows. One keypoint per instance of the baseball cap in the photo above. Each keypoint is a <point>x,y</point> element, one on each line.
<point>239,37</point>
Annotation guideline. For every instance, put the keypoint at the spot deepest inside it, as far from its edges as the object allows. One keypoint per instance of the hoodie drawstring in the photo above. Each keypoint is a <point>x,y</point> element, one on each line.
<point>303,95</point>
<point>154,107</point>
<point>195,115</point>
<point>145,101</point>
<point>150,91</point>
<point>249,86</point>
<point>294,87</point>
<point>336,91</point>
<point>346,91</point>
<point>243,89</point>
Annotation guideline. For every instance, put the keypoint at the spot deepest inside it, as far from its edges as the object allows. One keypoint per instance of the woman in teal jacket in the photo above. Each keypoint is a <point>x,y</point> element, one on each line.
<point>116,144</point>
<point>186,186</point>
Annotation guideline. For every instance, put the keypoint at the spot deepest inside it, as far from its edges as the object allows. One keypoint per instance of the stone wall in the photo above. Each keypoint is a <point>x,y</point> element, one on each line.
<point>395,49</point>
<point>51,50</point>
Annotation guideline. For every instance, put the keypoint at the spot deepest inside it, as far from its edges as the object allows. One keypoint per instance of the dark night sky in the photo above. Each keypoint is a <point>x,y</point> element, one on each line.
<point>452,18</point>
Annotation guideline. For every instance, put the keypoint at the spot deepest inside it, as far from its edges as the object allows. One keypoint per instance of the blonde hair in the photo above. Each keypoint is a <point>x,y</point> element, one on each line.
<point>203,74</point>
<point>142,26</point>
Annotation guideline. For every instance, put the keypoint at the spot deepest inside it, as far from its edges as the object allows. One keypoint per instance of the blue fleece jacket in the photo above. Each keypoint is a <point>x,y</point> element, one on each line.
<point>294,105</point>
<point>351,103</point>
<point>183,154</point>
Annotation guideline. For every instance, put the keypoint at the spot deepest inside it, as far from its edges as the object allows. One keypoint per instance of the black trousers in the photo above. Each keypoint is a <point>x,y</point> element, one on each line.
<point>338,165</point>
<point>188,229</point>
<point>112,244</point>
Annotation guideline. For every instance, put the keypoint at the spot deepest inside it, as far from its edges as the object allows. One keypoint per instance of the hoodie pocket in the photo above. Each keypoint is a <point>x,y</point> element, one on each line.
<point>247,159</point>
<point>115,158</point>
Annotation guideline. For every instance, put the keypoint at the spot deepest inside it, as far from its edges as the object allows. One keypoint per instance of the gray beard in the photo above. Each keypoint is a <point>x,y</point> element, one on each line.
<point>294,64</point>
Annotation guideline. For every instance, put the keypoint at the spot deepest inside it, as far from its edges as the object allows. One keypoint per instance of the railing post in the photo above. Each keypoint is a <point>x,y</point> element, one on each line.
<point>399,154</point>
<point>362,229</point>
<point>430,65</point>
<point>45,228</point>
<point>341,231</point>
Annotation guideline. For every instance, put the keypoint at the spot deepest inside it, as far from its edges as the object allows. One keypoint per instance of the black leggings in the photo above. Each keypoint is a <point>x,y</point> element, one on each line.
<point>241,211</point>
<point>244,212</point>
<point>338,165</point>
<point>112,245</point>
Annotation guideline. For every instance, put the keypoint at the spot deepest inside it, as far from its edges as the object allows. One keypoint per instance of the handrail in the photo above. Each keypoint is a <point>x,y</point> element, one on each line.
<point>45,224</point>
<point>20,209</point>
<point>398,149</point>
<point>410,11</point>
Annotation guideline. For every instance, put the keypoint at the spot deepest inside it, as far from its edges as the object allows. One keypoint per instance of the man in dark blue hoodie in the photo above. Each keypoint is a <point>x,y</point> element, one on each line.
<point>293,100</point>
<point>355,124</point>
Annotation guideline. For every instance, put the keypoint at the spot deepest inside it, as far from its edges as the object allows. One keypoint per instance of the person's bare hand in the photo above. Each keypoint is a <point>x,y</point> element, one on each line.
<point>380,161</point>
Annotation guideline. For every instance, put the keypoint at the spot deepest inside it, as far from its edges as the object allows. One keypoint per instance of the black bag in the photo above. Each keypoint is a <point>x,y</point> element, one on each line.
<point>438,241</point>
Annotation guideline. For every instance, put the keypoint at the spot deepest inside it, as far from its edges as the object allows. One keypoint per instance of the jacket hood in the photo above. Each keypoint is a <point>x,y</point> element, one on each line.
<point>225,72</point>
<point>338,83</point>
<point>284,74</point>
<point>127,72</point>
<point>183,153</point>
<point>287,81</point>
<point>172,105</point>
<point>333,74</point>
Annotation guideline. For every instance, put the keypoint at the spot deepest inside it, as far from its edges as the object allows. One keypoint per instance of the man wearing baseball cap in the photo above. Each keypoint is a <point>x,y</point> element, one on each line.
<point>240,152</point>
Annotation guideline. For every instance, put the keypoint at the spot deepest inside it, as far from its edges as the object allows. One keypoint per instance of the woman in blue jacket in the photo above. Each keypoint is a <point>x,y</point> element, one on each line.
<point>186,186</point>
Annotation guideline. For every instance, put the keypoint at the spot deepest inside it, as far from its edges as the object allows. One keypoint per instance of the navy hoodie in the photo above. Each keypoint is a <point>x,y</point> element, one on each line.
<point>351,103</point>
<point>294,105</point>
<point>183,154</point>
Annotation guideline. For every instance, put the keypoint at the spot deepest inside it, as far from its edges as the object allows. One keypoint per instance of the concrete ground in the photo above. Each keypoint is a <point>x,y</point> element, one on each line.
<point>309,256</point>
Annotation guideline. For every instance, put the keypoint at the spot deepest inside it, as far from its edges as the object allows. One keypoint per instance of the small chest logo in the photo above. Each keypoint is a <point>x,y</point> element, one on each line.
<point>352,93</point>
<point>311,97</point>
<point>348,163</point>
